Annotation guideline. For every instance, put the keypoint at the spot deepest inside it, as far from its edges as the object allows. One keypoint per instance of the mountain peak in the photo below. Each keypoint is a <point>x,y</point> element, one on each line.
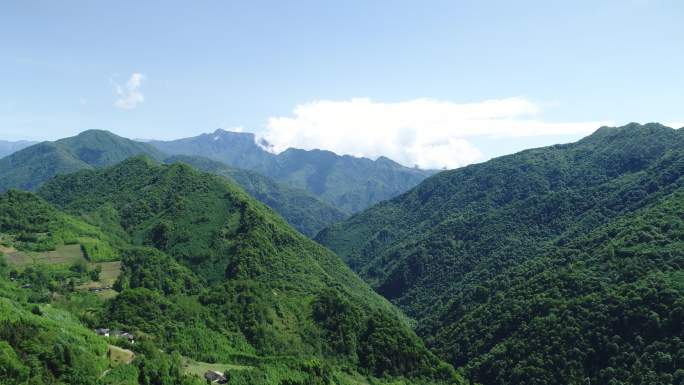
<point>221,132</point>
<point>630,129</point>
<point>94,134</point>
<point>95,131</point>
<point>88,149</point>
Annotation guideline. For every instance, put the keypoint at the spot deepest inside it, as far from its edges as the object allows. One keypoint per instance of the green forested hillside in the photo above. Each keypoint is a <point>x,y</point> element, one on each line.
<point>302,210</point>
<point>554,265</point>
<point>30,168</point>
<point>236,149</point>
<point>45,323</point>
<point>27,169</point>
<point>214,275</point>
<point>348,183</point>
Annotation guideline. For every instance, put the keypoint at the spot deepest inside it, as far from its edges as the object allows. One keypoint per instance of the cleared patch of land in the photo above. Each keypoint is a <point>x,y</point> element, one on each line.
<point>110,272</point>
<point>103,287</point>
<point>67,255</point>
<point>119,355</point>
<point>7,250</point>
<point>64,254</point>
<point>199,368</point>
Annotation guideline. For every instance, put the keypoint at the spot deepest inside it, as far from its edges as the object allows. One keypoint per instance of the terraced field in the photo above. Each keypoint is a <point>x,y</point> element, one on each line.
<point>67,255</point>
<point>64,254</point>
<point>103,287</point>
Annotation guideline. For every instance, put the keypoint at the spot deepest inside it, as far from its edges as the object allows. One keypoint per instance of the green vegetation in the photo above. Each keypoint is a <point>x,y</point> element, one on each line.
<point>310,189</point>
<point>32,231</point>
<point>555,265</point>
<point>30,167</point>
<point>44,343</point>
<point>300,209</point>
<point>46,348</point>
<point>208,273</point>
<point>347,183</point>
<point>198,368</point>
<point>62,254</point>
<point>559,265</point>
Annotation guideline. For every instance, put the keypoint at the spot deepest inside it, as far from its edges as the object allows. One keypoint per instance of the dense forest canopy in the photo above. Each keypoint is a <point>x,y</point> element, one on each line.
<point>527,268</point>
<point>31,167</point>
<point>301,209</point>
<point>557,265</point>
<point>207,274</point>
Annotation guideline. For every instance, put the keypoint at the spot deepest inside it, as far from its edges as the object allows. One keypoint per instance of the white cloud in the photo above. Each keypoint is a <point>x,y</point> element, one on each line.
<point>677,124</point>
<point>424,132</point>
<point>129,95</point>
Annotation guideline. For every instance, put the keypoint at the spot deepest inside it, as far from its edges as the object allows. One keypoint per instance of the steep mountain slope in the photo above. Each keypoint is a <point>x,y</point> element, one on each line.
<point>42,339</point>
<point>455,249</point>
<point>239,283</point>
<point>607,307</point>
<point>29,168</point>
<point>235,149</point>
<point>7,148</point>
<point>348,183</point>
<point>300,209</point>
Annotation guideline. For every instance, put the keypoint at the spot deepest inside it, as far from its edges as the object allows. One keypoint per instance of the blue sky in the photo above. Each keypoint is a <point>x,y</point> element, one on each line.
<point>192,67</point>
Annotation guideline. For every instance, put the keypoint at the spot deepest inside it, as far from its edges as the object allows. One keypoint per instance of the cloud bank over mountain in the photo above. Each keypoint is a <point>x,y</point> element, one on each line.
<point>425,132</point>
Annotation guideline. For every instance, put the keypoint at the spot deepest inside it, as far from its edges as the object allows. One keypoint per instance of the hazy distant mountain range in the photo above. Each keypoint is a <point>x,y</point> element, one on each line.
<point>7,147</point>
<point>554,265</point>
<point>348,183</point>
<point>311,189</point>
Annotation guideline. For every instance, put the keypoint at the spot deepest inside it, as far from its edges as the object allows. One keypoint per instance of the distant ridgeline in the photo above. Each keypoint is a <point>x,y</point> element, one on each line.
<point>557,265</point>
<point>348,183</point>
<point>310,189</point>
<point>203,276</point>
<point>7,148</point>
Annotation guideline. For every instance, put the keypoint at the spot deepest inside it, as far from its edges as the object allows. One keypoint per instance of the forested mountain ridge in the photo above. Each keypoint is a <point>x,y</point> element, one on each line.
<point>236,149</point>
<point>453,248</point>
<point>46,334</point>
<point>301,209</point>
<point>607,306</point>
<point>216,276</point>
<point>30,167</point>
<point>346,182</point>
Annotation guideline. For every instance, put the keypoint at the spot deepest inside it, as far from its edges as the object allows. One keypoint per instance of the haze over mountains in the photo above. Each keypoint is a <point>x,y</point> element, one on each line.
<point>348,183</point>
<point>555,265</point>
<point>7,147</point>
<point>315,189</point>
